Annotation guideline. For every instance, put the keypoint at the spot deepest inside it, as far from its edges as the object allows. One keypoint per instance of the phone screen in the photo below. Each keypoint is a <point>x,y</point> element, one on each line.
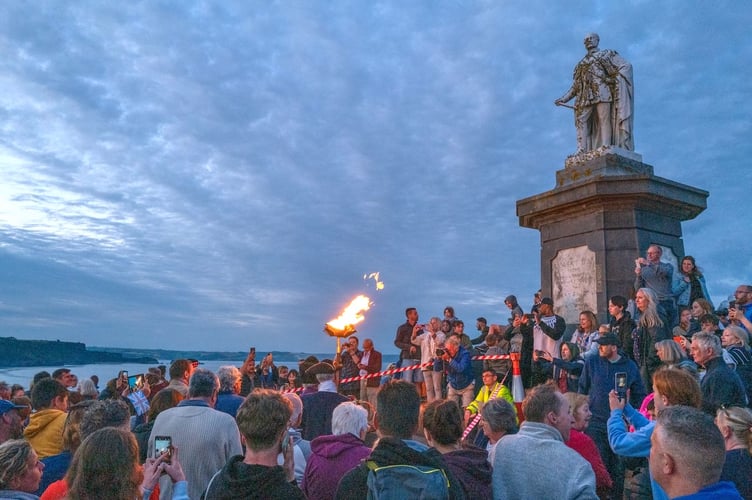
<point>135,382</point>
<point>620,384</point>
<point>162,446</point>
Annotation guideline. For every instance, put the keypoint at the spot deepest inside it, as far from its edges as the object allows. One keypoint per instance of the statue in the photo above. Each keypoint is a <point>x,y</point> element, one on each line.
<point>604,99</point>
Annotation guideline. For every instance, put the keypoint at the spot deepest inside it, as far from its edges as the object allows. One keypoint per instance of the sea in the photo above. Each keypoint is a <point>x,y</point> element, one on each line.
<point>107,371</point>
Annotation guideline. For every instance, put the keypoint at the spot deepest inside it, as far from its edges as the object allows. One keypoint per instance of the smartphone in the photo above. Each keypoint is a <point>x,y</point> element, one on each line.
<point>620,385</point>
<point>163,446</point>
<point>252,351</point>
<point>285,444</point>
<point>123,373</point>
<point>136,382</point>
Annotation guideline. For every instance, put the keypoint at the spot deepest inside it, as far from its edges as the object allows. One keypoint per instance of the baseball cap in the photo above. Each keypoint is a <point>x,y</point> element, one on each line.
<point>6,406</point>
<point>608,339</point>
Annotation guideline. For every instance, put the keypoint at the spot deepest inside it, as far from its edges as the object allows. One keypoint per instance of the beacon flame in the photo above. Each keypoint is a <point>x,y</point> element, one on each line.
<point>352,315</point>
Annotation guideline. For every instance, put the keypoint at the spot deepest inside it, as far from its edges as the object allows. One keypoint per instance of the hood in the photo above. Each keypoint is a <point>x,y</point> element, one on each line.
<point>393,451</point>
<point>238,480</point>
<point>41,419</point>
<point>331,447</point>
<point>540,430</point>
<point>470,462</point>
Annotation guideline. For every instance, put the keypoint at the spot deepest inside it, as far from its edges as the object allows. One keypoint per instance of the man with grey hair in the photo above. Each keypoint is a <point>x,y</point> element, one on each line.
<point>538,451</point>
<point>333,456</point>
<point>318,406</point>
<point>687,455</point>
<point>658,276</point>
<point>206,438</point>
<point>301,447</point>
<point>720,385</point>
<point>229,399</point>
<point>499,419</point>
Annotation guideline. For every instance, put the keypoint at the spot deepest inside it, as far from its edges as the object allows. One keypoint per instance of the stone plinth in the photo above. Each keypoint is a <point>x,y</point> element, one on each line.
<point>606,209</point>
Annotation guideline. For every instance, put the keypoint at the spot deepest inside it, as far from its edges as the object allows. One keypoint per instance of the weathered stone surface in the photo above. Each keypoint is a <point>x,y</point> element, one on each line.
<point>573,277</point>
<point>615,207</point>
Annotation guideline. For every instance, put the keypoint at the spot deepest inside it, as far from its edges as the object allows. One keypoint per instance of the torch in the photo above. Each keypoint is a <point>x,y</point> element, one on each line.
<point>344,325</point>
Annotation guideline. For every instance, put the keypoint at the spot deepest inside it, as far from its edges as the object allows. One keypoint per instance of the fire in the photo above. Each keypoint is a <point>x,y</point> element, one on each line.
<point>352,315</point>
<point>375,277</point>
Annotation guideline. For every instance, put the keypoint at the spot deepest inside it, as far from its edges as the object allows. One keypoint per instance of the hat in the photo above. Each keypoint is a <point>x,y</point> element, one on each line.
<point>6,406</point>
<point>321,369</point>
<point>608,339</point>
<point>547,301</point>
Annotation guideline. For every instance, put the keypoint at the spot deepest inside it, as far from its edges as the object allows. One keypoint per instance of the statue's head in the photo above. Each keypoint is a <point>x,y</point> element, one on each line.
<point>591,40</point>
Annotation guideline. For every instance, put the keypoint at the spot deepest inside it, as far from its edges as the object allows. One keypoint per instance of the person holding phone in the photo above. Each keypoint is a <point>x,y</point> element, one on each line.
<point>597,381</point>
<point>671,386</point>
<point>262,420</point>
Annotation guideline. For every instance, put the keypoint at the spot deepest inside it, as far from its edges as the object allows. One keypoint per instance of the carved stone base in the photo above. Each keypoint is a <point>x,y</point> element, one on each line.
<point>609,204</point>
<point>605,161</point>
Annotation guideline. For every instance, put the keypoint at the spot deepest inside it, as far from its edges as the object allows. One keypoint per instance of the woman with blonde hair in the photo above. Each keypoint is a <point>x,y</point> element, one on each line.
<point>586,333</point>
<point>672,386</point>
<point>651,328</point>
<point>672,354</point>
<point>735,424</point>
<point>20,470</point>
<point>583,444</point>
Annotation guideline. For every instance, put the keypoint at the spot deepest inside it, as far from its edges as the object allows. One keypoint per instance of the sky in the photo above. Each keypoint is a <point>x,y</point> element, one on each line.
<point>216,175</point>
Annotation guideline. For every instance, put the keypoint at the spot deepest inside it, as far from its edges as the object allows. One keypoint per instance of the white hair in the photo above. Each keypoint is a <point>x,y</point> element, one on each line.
<point>349,417</point>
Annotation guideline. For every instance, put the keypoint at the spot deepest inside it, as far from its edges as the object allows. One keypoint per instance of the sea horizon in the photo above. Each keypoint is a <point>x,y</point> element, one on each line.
<point>23,375</point>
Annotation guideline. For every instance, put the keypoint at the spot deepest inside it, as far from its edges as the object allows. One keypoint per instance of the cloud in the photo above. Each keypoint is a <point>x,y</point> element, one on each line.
<point>205,173</point>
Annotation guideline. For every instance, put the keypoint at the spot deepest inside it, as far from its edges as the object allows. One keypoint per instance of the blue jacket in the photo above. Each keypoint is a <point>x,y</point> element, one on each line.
<point>723,490</point>
<point>633,444</point>
<point>682,289</point>
<point>460,370</point>
<point>598,379</point>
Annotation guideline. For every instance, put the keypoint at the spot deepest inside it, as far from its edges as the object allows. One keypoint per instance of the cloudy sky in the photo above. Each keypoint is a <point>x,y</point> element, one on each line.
<point>214,175</point>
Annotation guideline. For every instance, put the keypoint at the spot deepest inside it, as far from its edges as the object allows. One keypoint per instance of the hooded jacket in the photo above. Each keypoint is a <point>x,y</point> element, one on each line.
<point>239,480</point>
<point>395,451</point>
<point>331,458</point>
<point>45,432</point>
<point>471,468</point>
<point>598,379</point>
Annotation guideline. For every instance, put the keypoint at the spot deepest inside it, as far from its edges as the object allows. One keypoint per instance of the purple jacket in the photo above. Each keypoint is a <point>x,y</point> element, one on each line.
<point>331,458</point>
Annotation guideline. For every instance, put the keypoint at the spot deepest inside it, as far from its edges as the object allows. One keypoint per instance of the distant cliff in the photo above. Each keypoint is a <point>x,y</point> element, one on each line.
<point>14,353</point>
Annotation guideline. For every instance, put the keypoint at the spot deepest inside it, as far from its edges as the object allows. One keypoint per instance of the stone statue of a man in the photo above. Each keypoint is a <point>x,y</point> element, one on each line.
<point>603,107</point>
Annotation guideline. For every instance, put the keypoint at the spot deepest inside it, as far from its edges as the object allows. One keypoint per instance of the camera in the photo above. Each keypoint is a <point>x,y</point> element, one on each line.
<point>440,352</point>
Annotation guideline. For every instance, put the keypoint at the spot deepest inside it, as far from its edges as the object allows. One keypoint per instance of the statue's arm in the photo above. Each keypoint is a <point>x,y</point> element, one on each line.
<point>566,97</point>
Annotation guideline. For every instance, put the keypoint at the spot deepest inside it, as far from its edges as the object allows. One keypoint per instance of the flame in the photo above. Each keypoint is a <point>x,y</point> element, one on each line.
<point>375,277</point>
<point>353,313</point>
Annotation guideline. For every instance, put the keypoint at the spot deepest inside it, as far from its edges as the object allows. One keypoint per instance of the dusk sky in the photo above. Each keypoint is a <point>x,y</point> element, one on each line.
<point>215,175</point>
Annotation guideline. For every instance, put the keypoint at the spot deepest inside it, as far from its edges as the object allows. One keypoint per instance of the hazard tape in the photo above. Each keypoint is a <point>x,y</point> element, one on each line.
<point>415,367</point>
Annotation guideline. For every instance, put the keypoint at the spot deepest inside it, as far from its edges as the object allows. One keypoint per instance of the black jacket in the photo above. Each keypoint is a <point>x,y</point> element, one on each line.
<point>393,451</point>
<point>238,480</point>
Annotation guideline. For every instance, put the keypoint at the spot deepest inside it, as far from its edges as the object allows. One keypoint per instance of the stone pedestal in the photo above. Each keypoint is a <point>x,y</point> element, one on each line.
<point>606,209</point>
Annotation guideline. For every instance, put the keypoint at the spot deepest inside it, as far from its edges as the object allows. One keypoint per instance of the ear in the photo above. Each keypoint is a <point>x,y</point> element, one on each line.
<point>429,439</point>
<point>667,464</point>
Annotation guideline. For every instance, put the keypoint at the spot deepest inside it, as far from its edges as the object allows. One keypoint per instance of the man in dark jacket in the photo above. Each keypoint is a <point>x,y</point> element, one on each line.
<point>397,413</point>
<point>597,380</point>
<point>720,385</point>
<point>262,420</point>
<point>622,325</point>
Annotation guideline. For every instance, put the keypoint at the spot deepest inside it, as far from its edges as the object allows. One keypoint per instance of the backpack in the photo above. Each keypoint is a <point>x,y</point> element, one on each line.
<point>398,482</point>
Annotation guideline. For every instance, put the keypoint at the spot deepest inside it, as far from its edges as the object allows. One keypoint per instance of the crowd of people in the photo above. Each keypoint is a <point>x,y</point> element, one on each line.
<point>653,402</point>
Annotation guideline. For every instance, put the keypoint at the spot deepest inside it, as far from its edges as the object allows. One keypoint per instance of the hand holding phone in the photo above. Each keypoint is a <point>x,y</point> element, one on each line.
<point>163,446</point>
<point>620,385</point>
